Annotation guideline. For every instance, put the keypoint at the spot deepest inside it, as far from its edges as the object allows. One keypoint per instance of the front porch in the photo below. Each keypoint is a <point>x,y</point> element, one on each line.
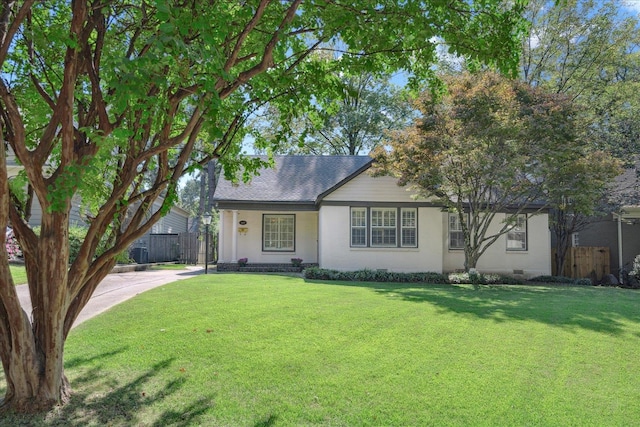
<point>263,267</point>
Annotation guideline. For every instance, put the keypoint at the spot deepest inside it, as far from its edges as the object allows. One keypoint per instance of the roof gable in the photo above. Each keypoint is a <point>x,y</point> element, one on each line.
<point>294,179</point>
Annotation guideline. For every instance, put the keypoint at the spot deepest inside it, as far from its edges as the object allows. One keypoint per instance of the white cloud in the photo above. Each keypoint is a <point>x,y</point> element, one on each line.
<point>633,5</point>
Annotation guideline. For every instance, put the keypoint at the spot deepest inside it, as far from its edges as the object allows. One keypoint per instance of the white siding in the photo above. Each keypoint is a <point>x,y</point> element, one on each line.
<point>336,252</point>
<point>249,243</point>
<point>535,261</point>
<point>365,188</point>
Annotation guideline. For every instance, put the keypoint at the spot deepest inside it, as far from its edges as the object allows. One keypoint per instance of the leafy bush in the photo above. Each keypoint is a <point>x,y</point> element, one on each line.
<point>76,237</point>
<point>12,246</point>
<point>583,282</point>
<point>482,279</point>
<point>562,280</point>
<point>367,275</point>
<point>635,270</point>
<point>552,279</point>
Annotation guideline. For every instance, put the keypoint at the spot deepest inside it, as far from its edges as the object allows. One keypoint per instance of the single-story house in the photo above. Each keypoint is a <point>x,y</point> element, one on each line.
<point>331,212</point>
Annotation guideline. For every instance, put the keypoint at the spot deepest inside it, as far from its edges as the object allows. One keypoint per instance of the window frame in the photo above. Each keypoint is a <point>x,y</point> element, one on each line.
<point>371,226</point>
<point>364,227</point>
<point>524,232</point>
<point>383,227</point>
<point>457,230</point>
<point>403,227</point>
<point>292,248</point>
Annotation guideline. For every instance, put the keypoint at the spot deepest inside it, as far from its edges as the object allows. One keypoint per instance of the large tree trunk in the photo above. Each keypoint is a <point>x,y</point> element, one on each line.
<point>33,358</point>
<point>471,256</point>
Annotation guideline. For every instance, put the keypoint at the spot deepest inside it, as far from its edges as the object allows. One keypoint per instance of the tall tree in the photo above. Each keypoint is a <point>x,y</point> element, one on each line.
<point>587,50</point>
<point>350,120</point>
<point>106,100</point>
<point>578,191</point>
<point>483,150</point>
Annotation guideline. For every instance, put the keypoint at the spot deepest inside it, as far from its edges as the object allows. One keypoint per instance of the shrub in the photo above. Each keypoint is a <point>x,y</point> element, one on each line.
<point>12,246</point>
<point>552,279</point>
<point>561,280</point>
<point>76,237</point>
<point>368,275</point>
<point>483,279</point>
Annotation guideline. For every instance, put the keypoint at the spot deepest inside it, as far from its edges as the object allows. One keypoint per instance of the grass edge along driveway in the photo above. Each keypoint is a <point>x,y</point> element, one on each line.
<point>251,350</point>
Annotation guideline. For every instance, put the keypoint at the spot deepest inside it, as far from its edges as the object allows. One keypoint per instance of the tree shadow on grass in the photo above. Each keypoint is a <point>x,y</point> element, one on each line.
<point>101,399</point>
<point>593,308</point>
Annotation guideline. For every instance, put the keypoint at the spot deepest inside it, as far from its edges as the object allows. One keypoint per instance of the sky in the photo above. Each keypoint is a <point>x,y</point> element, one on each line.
<point>632,5</point>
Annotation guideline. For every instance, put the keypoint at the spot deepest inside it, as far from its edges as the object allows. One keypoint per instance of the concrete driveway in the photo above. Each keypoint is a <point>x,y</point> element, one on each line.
<point>119,287</point>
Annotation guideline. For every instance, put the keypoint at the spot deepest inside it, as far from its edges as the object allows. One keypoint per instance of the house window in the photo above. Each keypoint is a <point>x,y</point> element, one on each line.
<point>358,227</point>
<point>517,235</point>
<point>278,233</point>
<point>456,235</point>
<point>383,226</point>
<point>380,227</point>
<point>409,227</point>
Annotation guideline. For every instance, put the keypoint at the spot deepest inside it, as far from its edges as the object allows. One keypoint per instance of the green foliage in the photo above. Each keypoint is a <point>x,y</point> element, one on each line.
<point>190,195</point>
<point>482,279</point>
<point>587,49</point>
<point>489,148</point>
<point>115,102</point>
<point>350,118</point>
<point>561,280</point>
<point>316,273</point>
<point>77,236</point>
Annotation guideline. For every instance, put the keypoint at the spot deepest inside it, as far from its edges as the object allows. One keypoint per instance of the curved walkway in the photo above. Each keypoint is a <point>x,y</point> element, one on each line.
<point>119,287</point>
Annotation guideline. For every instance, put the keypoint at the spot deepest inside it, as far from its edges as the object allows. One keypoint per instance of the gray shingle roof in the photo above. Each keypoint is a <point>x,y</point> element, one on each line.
<point>294,179</point>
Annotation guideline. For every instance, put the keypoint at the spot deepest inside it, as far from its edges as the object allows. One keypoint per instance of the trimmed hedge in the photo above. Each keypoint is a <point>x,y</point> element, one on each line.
<point>316,273</point>
<point>561,279</point>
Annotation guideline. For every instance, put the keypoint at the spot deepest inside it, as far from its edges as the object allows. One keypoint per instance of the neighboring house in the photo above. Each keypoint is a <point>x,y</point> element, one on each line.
<point>619,231</point>
<point>329,211</point>
<point>176,221</point>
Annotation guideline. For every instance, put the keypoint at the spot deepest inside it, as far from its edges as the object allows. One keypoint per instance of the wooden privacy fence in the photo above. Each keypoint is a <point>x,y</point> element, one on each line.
<point>192,248</point>
<point>187,248</point>
<point>164,247</point>
<point>584,262</point>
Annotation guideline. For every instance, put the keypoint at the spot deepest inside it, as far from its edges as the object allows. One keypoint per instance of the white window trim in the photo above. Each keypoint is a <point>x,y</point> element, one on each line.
<point>362,227</point>
<point>414,227</point>
<point>383,227</point>
<point>449,230</point>
<point>264,239</point>
<point>525,232</point>
<point>398,228</point>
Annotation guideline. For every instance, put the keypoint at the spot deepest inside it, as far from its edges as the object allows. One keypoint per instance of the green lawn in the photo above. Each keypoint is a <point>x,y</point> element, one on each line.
<point>19,274</point>
<point>266,350</point>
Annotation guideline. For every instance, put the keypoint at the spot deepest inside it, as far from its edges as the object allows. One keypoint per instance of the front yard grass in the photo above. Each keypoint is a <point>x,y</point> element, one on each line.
<point>18,273</point>
<point>267,350</point>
